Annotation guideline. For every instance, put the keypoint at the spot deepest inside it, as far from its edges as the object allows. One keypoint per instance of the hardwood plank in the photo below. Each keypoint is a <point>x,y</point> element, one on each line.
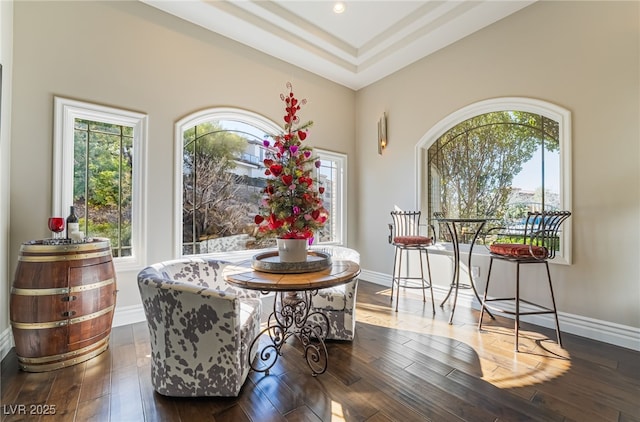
<point>97,378</point>
<point>573,411</point>
<point>257,406</point>
<point>93,410</point>
<point>352,398</point>
<point>380,417</point>
<point>156,407</point>
<point>234,413</point>
<point>34,391</point>
<point>65,392</point>
<point>315,396</point>
<point>202,408</point>
<point>302,414</point>
<point>279,394</point>
<point>624,417</point>
<point>425,396</point>
<point>126,399</point>
<point>386,390</point>
<point>9,390</point>
<point>484,395</point>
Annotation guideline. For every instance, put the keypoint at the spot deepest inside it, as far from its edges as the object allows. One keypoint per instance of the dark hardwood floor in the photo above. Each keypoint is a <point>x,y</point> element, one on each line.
<point>405,366</point>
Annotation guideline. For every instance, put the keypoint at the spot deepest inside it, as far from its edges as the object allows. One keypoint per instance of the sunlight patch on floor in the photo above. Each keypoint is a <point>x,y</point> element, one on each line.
<point>337,413</point>
<point>540,358</point>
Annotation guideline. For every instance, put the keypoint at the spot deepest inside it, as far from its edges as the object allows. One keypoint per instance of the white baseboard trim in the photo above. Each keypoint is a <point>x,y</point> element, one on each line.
<point>128,315</point>
<point>6,342</point>
<point>604,331</point>
<point>465,297</point>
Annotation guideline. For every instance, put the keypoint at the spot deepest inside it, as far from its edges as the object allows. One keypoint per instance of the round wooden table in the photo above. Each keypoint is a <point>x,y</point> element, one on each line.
<point>292,309</point>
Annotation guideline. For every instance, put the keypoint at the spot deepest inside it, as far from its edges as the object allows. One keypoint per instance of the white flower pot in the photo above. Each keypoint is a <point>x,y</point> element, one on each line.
<point>292,250</point>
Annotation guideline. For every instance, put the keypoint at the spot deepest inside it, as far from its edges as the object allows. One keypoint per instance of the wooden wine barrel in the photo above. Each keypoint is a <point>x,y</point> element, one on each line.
<point>62,303</point>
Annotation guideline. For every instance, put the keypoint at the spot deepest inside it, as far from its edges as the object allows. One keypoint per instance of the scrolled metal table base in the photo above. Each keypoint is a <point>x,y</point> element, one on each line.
<point>292,316</point>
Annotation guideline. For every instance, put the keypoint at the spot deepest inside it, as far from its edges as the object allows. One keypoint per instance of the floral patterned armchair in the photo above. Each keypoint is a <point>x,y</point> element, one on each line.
<point>200,328</point>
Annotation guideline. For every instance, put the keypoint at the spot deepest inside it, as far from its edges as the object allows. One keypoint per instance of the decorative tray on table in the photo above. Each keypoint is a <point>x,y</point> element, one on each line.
<point>269,262</point>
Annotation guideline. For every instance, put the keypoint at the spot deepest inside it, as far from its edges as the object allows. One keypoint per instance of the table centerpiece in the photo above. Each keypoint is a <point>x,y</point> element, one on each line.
<point>291,209</point>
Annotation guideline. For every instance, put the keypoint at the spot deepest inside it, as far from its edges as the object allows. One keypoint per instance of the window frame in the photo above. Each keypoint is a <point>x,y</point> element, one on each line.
<point>549,110</point>
<point>341,160</point>
<point>268,127</point>
<point>66,111</point>
<point>197,118</point>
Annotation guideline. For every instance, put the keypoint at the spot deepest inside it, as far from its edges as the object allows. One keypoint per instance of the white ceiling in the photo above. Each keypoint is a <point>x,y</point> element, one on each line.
<point>370,40</point>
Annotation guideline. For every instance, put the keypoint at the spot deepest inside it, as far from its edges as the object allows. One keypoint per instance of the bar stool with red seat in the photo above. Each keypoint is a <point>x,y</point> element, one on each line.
<point>538,241</point>
<point>405,236</point>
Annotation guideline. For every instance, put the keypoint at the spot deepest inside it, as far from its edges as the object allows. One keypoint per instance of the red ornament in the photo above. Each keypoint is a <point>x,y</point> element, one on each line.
<point>258,219</point>
<point>287,179</point>
<point>276,169</point>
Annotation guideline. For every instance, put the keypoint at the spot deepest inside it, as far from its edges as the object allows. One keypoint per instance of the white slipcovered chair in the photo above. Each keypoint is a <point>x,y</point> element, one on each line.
<point>200,328</point>
<point>339,303</point>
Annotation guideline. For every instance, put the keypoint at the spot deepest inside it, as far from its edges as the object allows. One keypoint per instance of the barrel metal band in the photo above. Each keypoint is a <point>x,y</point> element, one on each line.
<point>39,292</point>
<point>80,247</point>
<point>61,290</point>
<point>53,258</point>
<point>67,355</point>
<point>62,323</point>
<point>91,286</point>
<point>63,364</point>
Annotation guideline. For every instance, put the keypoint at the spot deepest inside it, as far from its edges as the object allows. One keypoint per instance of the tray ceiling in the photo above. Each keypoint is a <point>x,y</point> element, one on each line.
<point>368,41</point>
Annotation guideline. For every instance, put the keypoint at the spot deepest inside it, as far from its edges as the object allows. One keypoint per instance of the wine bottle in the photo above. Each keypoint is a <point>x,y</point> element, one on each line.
<point>72,222</point>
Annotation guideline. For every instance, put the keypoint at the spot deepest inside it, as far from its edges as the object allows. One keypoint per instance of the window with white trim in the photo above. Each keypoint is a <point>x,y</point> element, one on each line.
<point>499,158</point>
<point>332,174</point>
<point>99,153</point>
<point>220,177</point>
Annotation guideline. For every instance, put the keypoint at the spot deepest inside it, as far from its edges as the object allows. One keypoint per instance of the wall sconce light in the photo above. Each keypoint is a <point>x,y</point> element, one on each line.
<point>382,133</point>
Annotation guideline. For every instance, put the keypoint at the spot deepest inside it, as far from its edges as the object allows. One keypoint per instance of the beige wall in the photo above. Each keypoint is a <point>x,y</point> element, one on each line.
<point>583,56</point>
<point>6,52</point>
<point>130,55</point>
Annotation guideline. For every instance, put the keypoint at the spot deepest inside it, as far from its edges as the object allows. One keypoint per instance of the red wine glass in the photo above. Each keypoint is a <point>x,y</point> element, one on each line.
<point>56,225</point>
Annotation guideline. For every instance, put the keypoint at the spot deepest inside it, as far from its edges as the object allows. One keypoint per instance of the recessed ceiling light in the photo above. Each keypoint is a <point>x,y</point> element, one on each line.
<point>338,7</point>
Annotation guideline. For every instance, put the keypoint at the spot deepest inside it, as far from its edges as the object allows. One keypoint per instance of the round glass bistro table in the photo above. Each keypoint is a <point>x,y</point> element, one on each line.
<point>453,226</point>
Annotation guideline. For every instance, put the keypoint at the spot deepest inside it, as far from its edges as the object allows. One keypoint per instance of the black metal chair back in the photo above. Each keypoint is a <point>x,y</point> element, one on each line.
<point>542,229</point>
<point>405,223</point>
<point>404,234</point>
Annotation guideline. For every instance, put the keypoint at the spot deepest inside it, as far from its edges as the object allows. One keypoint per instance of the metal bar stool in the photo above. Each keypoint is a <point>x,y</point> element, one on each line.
<point>537,243</point>
<point>404,234</point>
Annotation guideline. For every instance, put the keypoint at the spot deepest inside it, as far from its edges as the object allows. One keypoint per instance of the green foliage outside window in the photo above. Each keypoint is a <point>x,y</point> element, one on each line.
<point>217,201</point>
<point>473,165</point>
<point>102,191</point>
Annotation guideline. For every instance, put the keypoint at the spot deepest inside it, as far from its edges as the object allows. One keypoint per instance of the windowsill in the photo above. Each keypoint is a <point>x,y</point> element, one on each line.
<point>446,248</point>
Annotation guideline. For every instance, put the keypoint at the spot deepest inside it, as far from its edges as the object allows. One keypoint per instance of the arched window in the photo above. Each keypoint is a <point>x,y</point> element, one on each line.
<point>220,180</point>
<point>499,158</point>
